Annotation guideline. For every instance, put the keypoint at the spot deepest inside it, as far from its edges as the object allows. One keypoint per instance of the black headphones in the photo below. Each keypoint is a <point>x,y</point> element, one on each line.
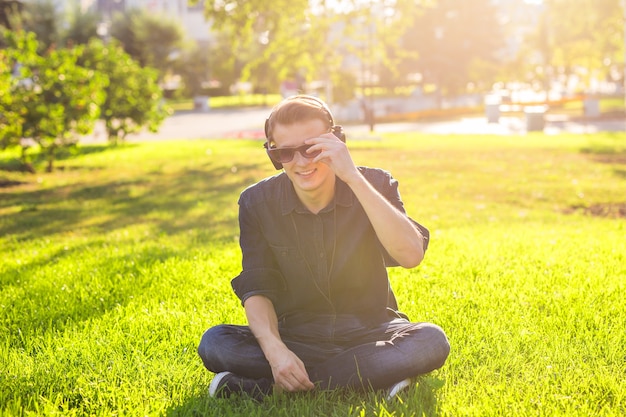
<point>336,129</point>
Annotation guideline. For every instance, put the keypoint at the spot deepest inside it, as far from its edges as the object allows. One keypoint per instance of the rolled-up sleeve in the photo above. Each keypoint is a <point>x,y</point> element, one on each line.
<point>393,195</point>
<point>260,274</point>
<point>260,281</point>
<point>387,185</point>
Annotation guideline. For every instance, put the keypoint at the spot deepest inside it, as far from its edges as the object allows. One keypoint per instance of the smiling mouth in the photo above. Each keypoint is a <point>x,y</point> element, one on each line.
<point>306,173</point>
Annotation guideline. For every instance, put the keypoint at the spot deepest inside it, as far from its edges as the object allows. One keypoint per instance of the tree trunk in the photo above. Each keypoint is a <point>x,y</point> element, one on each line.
<point>51,155</point>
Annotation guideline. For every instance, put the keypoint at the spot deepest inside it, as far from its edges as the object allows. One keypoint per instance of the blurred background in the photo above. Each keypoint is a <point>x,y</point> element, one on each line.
<point>387,59</point>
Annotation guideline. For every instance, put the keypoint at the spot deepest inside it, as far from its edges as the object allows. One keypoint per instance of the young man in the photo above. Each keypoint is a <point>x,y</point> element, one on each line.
<point>316,240</point>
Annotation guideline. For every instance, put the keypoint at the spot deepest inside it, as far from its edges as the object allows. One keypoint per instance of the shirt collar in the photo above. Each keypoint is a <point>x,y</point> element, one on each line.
<point>289,200</point>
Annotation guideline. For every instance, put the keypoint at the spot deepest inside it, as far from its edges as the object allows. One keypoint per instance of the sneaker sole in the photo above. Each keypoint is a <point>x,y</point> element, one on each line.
<point>398,388</point>
<point>215,383</point>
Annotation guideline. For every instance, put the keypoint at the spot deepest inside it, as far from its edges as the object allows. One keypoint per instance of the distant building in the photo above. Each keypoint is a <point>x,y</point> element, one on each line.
<point>520,18</point>
<point>191,18</point>
<point>107,7</point>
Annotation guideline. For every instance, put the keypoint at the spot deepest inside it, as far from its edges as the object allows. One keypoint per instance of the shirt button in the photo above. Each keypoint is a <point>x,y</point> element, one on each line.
<point>321,255</point>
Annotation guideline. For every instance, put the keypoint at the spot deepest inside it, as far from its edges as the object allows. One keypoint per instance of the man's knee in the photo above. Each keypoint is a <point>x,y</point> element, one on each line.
<point>439,345</point>
<point>210,347</point>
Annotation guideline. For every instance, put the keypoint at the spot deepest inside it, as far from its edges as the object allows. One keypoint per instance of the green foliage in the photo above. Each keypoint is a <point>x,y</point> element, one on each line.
<point>273,44</point>
<point>55,98</point>
<point>10,117</point>
<point>133,98</point>
<point>83,27</point>
<point>44,19</point>
<point>579,37</point>
<point>152,40</point>
<point>227,59</point>
<point>449,38</point>
<point>62,102</point>
<point>448,43</point>
<point>10,120</point>
<point>10,10</point>
<point>344,86</point>
<point>16,79</point>
<point>392,40</point>
<point>114,266</point>
<point>194,70</point>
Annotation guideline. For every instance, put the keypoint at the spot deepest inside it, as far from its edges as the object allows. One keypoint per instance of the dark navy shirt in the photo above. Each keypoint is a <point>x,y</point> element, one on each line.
<point>324,266</point>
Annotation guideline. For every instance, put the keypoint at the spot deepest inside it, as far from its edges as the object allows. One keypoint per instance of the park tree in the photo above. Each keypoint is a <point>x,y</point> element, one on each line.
<point>278,40</point>
<point>152,40</point>
<point>204,63</point>
<point>10,10</point>
<point>450,41</point>
<point>45,20</point>
<point>17,59</point>
<point>49,25</point>
<point>59,100</point>
<point>9,118</point>
<point>11,111</point>
<point>133,98</point>
<point>83,26</point>
<point>388,39</point>
<point>194,70</point>
<point>374,31</point>
<point>199,65</point>
<point>582,38</point>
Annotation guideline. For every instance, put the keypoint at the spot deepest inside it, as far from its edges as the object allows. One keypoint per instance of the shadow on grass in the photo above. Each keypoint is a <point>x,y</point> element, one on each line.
<point>610,150</point>
<point>203,199</point>
<point>420,401</point>
<point>34,306</point>
<point>37,159</point>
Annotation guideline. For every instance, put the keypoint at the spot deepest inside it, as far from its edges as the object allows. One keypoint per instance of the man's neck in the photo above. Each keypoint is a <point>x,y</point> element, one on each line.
<point>316,200</point>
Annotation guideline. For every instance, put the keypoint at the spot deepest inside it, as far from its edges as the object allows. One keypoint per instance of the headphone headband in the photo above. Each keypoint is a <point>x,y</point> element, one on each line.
<point>306,98</point>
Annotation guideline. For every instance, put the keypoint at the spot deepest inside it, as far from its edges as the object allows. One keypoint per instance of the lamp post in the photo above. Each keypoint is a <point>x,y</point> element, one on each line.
<point>367,67</point>
<point>624,75</point>
<point>369,106</point>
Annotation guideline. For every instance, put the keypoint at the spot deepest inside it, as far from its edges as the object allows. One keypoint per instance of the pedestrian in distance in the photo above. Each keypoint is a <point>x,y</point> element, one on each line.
<point>316,242</point>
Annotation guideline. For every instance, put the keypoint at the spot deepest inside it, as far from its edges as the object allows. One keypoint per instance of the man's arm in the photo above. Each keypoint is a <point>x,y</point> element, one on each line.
<point>288,370</point>
<point>395,231</point>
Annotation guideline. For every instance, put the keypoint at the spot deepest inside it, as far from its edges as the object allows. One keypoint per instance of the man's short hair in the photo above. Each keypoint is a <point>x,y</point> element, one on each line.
<point>297,109</point>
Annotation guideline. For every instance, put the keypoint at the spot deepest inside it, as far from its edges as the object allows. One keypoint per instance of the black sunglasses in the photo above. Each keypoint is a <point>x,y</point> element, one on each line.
<point>284,155</point>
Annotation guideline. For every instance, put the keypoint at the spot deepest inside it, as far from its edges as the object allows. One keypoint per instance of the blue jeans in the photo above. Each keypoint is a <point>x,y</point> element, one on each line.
<point>355,357</point>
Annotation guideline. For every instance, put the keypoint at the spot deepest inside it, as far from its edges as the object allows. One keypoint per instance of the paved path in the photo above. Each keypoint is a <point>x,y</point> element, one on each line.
<point>248,123</point>
<point>199,125</point>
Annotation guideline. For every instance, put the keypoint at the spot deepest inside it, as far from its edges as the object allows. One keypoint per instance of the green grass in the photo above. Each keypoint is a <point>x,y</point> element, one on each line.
<point>221,102</point>
<point>607,105</point>
<point>113,266</point>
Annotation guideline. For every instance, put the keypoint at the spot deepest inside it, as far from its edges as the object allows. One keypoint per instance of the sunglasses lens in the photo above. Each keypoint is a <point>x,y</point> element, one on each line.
<point>284,155</point>
<point>310,155</point>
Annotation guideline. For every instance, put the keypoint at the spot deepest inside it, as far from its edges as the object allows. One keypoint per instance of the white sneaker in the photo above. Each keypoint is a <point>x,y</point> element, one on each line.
<point>226,384</point>
<point>215,385</point>
<point>398,388</point>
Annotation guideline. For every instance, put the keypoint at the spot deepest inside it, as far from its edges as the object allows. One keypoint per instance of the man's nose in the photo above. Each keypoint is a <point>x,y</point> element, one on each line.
<point>300,158</point>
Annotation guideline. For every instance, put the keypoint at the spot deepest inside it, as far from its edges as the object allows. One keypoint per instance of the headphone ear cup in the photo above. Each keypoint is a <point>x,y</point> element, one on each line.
<point>277,165</point>
<point>338,131</point>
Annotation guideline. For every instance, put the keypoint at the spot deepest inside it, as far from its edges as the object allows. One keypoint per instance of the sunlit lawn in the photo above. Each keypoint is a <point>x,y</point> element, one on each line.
<point>113,266</point>
<point>221,102</point>
<point>575,108</point>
